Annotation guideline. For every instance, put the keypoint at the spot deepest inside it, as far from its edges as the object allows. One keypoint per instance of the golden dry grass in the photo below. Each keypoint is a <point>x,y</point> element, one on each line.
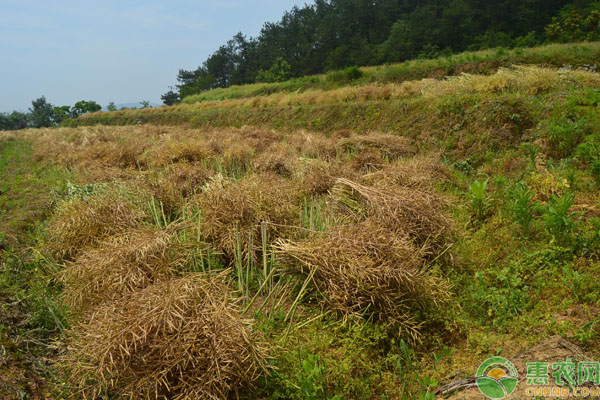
<point>177,182</point>
<point>81,221</point>
<point>279,158</point>
<point>122,264</point>
<point>181,339</point>
<point>366,268</point>
<point>317,177</point>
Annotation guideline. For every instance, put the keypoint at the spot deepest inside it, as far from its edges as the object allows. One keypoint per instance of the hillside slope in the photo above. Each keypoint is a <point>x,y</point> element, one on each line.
<point>363,241</point>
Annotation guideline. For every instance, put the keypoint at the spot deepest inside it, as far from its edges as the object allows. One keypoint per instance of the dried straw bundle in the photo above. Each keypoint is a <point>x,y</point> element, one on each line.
<point>390,146</point>
<point>81,221</point>
<point>365,268</point>
<point>122,264</point>
<point>179,339</point>
<point>402,210</point>
<point>178,182</point>
<point>232,211</point>
<point>416,172</point>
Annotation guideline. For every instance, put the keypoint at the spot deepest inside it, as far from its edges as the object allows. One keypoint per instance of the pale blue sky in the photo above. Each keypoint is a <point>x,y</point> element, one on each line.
<point>107,50</point>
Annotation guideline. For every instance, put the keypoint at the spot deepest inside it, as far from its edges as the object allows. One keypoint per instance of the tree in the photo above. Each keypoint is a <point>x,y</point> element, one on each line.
<point>84,107</point>
<point>111,106</point>
<point>334,34</point>
<point>279,72</point>
<point>42,113</point>
<point>145,104</point>
<point>170,98</point>
<point>18,120</point>
<point>61,113</point>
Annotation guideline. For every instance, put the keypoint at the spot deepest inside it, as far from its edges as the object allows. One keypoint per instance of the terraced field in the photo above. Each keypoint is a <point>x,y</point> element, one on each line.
<point>373,240</point>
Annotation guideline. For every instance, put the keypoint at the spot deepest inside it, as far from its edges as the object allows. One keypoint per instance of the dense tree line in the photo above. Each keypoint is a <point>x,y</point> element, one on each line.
<point>43,114</point>
<point>334,34</point>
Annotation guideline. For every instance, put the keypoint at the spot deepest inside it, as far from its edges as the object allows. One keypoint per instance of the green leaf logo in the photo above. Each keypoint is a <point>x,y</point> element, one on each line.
<point>497,378</point>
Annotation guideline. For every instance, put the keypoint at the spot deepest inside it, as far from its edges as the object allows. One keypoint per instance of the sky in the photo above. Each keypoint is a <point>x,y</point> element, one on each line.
<point>123,51</point>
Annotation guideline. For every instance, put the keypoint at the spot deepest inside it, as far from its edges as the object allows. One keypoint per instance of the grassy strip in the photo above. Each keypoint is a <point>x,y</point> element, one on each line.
<point>474,62</point>
<point>30,314</point>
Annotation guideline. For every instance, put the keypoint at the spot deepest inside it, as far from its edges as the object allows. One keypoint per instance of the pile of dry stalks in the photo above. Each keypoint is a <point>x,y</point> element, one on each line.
<point>179,339</point>
<point>402,210</point>
<point>389,146</point>
<point>233,211</point>
<point>416,172</point>
<point>365,268</point>
<point>122,264</point>
<point>84,220</point>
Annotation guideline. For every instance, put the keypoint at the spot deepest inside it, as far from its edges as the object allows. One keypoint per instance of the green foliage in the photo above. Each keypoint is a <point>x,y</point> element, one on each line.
<point>62,113</point>
<point>345,76</point>
<point>521,207</point>
<point>332,35</point>
<point>170,98</point>
<point>279,72</point>
<point>559,221</point>
<point>83,107</point>
<point>573,25</point>
<point>42,113</point>
<point>565,133</point>
<point>111,106</point>
<point>313,376</point>
<point>499,294</point>
<point>480,201</point>
<point>13,121</point>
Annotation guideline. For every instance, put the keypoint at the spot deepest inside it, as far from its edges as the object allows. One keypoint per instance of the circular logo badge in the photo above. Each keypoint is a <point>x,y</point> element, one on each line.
<point>497,378</point>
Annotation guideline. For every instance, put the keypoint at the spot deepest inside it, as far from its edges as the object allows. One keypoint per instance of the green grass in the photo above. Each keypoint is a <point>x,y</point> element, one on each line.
<point>31,316</point>
<point>474,62</point>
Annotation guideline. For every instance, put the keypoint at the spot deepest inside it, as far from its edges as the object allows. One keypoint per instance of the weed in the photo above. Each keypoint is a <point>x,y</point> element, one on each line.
<point>480,201</point>
<point>559,220</point>
<point>521,206</point>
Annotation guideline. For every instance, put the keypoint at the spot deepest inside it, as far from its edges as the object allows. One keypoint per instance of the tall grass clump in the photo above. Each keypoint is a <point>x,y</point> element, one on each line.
<point>179,339</point>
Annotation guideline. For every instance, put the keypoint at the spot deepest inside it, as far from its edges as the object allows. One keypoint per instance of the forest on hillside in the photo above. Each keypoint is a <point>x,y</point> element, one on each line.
<point>334,34</point>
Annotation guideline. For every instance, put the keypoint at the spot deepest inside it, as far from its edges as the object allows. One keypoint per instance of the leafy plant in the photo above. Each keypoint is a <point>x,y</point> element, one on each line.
<point>479,201</point>
<point>521,207</point>
<point>311,385</point>
<point>565,133</point>
<point>559,220</point>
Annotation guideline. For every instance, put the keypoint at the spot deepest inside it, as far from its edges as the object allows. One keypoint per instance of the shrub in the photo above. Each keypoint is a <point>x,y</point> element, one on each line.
<point>521,207</point>
<point>346,75</point>
<point>559,220</point>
